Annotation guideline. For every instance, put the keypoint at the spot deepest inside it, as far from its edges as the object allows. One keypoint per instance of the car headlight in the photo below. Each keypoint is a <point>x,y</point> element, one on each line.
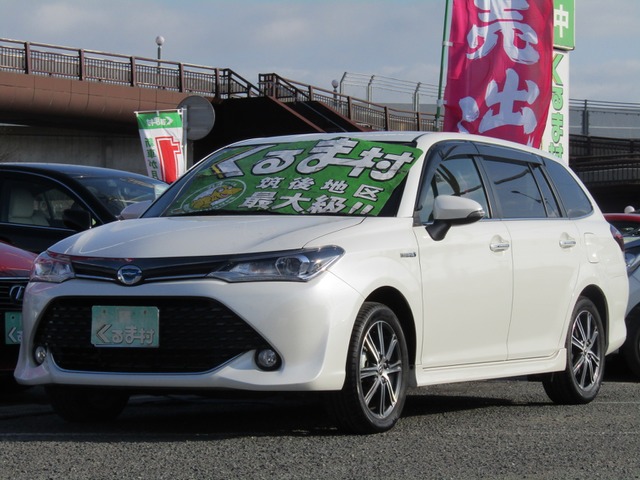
<point>50,267</point>
<point>298,266</point>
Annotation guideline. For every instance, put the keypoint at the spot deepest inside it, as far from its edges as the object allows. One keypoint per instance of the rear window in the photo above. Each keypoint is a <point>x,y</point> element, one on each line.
<point>572,196</point>
<point>516,189</point>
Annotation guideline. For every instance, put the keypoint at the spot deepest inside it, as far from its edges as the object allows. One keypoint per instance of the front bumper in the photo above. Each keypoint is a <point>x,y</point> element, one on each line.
<point>307,324</point>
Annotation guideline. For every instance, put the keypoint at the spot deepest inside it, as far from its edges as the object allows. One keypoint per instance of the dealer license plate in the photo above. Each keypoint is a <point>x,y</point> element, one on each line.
<point>123,326</point>
<point>12,328</point>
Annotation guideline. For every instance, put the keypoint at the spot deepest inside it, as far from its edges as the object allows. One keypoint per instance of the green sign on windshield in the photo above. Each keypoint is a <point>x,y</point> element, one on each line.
<point>338,176</point>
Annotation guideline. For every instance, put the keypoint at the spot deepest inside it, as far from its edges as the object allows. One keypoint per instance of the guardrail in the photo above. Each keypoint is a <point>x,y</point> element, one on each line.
<point>94,66</point>
<point>365,114</point>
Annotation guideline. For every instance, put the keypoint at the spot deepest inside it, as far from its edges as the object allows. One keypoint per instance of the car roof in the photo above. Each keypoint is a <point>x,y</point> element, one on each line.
<point>71,170</point>
<point>421,138</point>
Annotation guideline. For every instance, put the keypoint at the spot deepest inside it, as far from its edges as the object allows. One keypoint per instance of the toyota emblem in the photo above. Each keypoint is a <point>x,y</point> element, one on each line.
<point>129,275</point>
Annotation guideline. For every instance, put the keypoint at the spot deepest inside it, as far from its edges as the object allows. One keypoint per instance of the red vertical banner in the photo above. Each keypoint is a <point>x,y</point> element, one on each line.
<point>499,73</point>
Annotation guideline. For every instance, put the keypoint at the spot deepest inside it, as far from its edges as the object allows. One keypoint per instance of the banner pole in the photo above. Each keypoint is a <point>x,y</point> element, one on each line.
<point>445,44</point>
<point>185,141</point>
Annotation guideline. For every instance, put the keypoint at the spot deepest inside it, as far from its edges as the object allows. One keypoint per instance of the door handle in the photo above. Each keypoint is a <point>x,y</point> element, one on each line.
<point>499,246</point>
<point>567,243</point>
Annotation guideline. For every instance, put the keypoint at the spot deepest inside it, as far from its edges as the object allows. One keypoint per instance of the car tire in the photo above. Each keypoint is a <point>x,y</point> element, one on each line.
<point>81,405</point>
<point>580,382</point>
<point>631,348</point>
<point>374,392</point>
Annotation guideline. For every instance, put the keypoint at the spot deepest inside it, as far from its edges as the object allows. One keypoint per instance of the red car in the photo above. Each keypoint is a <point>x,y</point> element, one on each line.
<point>15,266</point>
<point>627,223</point>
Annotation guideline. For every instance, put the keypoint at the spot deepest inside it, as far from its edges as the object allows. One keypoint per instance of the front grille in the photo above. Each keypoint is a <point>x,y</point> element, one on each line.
<point>9,353</point>
<point>153,269</point>
<point>196,335</point>
<point>6,284</point>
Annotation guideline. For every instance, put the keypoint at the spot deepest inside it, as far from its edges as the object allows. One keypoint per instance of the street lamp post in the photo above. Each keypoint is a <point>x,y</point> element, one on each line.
<point>334,84</point>
<point>159,42</point>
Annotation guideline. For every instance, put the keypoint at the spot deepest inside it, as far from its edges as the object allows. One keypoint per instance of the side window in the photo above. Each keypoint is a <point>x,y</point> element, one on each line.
<point>38,203</point>
<point>58,202</point>
<point>572,196</point>
<point>25,205</point>
<point>456,176</point>
<point>516,189</point>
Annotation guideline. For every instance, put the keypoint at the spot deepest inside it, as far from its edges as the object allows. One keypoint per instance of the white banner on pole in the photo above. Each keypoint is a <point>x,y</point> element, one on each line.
<point>163,143</point>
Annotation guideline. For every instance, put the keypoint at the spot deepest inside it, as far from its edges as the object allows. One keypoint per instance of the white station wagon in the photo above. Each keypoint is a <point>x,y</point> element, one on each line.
<point>353,264</point>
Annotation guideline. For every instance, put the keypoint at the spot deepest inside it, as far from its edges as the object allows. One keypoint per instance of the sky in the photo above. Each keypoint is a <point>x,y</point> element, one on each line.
<point>317,41</point>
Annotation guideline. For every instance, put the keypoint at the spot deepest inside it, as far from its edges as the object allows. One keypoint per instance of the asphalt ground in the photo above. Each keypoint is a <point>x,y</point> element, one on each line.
<point>505,429</point>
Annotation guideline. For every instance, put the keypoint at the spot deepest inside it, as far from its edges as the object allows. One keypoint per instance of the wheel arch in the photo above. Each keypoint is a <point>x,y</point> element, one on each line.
<point>393,299</point>
<point>597,296</point>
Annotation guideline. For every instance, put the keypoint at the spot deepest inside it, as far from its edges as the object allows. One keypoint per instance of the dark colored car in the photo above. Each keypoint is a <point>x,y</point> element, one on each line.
<point>42,203</point>
<point>629,225</point>
<point>15,265</point>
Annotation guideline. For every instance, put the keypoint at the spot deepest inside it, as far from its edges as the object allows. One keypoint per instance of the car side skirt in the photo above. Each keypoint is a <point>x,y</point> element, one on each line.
<point>492,370</point>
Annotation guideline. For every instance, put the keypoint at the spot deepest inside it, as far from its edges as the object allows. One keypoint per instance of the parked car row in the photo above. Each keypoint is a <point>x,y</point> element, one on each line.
<point>354,265</point>
<point>40,204</point>
<point>15,267</point>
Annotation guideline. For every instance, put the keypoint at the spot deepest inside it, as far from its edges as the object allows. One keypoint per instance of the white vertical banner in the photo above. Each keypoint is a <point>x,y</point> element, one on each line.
<point>556,136</point>
<point>555,139</point>
<point>163,143</point>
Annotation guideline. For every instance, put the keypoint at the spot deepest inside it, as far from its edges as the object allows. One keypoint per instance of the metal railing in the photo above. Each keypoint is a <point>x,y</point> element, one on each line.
<point>588,118</point>
<point>94,66</point>
<point>604,119</point>
<point>586,146</point>
<point>609,170</point>
<point>363,113</point>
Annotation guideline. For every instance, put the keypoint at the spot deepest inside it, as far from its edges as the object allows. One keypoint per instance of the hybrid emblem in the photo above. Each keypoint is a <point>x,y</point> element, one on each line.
<point>129,275</point>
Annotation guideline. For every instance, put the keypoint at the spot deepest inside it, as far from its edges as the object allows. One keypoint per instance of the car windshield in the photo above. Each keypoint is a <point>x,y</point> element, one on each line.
<point>117,192</point>
<point>341,176</point>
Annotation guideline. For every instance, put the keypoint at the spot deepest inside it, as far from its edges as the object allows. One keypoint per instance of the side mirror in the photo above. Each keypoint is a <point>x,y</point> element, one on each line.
<point>134,210</point>
<point>449,210</point>
<point>77,220</point>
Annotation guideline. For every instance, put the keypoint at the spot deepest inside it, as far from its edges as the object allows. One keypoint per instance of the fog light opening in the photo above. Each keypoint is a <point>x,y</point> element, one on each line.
<point>267,359</point>
<point>40,354</point>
